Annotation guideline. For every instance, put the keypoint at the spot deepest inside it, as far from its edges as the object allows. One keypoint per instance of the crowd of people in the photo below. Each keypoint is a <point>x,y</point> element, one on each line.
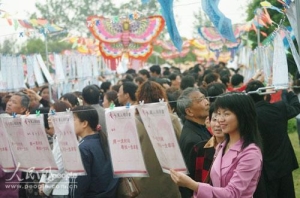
<point>234,140</point>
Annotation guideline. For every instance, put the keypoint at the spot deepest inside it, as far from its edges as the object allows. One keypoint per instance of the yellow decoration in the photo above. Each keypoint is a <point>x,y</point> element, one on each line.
<point>73,39</point>
<point>33,22</point>
<point>82,49</point>
<point>197,44</point>
<point>265,4</point>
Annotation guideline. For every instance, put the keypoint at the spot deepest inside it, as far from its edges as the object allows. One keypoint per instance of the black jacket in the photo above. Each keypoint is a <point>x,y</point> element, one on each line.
<point>192,133</point>
<point>99,181</point>
<point>278,154</point>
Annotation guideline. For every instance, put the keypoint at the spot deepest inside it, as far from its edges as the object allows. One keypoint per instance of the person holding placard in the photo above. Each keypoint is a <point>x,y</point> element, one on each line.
<point>55,184</point>
<point>193,107</point>
<point>38,100</point>
<point>159,184</point>
<point>238,160</point>
<point>18,104</point>
<point>98,181</point>
<point>279,159</point>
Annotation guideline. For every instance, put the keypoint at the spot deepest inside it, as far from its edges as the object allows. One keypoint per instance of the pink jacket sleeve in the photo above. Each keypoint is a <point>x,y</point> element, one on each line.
<point>243,181</point>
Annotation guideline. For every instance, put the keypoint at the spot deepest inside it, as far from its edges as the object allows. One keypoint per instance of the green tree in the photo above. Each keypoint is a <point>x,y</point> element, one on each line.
<point>8,46</point>
<point>73,14</point>
<point>276,17</point>
<point>151,8</point>
<point>37,45</point>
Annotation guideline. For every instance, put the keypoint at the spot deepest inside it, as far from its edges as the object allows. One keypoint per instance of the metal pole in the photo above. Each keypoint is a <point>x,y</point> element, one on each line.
<point>297,4</point>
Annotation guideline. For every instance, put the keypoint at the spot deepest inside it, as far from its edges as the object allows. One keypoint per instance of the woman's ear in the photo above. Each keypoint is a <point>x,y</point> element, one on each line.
<point>85,124</point>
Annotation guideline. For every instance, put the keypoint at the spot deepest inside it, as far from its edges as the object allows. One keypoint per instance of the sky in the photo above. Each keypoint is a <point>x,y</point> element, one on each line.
<point>183,10</point>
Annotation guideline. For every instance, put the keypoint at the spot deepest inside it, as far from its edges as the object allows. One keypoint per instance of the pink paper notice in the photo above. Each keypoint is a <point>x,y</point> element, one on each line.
<point>124,143</point>
<point>157,121</point>
<point>63,124</point>
<point>6,158</point>
<point>29,143</point>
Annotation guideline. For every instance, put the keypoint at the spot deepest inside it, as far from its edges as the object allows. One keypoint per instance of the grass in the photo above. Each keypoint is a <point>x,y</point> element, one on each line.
<point>292,130</point>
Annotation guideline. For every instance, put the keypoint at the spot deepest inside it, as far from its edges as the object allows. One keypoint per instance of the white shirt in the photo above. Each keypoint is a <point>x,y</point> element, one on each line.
<point>58,182</point>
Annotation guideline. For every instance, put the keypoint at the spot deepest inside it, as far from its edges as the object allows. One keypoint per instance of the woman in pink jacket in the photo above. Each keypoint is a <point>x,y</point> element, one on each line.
<point>238,160</point>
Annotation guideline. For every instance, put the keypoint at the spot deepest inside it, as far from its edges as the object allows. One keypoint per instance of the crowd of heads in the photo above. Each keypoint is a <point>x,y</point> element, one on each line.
<point>150,85</point>
<point>188,93</point>
<point>202,94</point>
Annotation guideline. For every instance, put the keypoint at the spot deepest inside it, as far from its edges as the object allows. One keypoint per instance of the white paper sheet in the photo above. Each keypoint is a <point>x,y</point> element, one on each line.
<point>157,121</point>
<point>125,148</point>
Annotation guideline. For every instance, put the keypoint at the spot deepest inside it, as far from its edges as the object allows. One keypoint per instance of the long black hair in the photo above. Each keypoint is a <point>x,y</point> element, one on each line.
<point>243,107</point>
<point>89,114</point>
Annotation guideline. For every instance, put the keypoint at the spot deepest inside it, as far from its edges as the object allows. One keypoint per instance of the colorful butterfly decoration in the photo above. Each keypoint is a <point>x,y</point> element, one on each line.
<point>170,51</point>
<point>211,34</point>
<point>198,43</point>
<point>220,45</point>
<point>204,54</point>
<point>175,54</point>
<point>126,35</point>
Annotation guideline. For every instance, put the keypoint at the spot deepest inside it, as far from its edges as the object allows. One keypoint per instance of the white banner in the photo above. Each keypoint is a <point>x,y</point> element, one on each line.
<point>124,143</point>
<point>30,73</point>
<point>96,70</point>
<point>20,71</point>
<point>73,67</point>
<point>9,73</point>
<point>86,61</point>
<point>291,13</point>
<point>293,49</point>
<point>59,71</point>
<point>44,69</point>
<point>79,67</point>
<point>6,158</point>
<point>267,67</point>
<point>37,72</point>
<point>280,67</point>
<point>3,73</point>
<point>157,121</point>
<point>63,124</point>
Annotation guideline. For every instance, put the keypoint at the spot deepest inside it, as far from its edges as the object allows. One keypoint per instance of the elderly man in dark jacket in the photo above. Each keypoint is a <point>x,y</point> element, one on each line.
<point>279,158</point>
<point>194,109</point>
